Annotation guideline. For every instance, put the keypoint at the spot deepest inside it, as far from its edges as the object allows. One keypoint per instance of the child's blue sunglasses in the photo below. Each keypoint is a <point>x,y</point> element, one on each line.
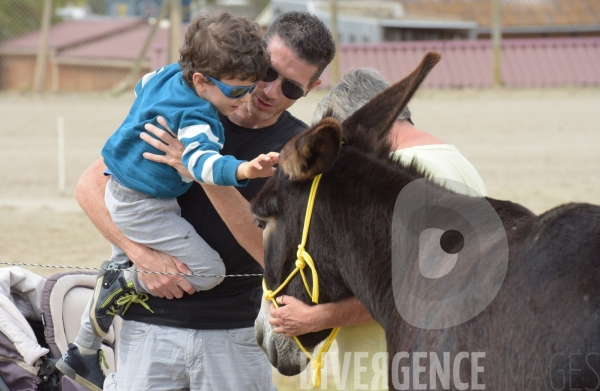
<point>232,92</point>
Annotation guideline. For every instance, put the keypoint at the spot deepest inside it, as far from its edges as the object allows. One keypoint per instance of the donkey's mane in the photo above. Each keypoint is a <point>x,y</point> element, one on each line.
<point>362,142</point>
<point>378,151</point>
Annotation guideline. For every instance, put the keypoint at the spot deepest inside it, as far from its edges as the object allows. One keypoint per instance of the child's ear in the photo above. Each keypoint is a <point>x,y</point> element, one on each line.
<point>200,81</point>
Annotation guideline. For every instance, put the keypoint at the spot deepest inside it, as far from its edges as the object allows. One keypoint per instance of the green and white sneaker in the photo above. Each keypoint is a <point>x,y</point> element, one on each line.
<point>113,294</point>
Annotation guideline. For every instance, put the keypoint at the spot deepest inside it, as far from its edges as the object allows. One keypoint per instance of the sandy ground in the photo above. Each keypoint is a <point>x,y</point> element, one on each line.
<point>540,148</point>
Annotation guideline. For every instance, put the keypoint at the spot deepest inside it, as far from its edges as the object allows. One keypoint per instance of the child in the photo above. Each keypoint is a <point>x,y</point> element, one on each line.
<point>221,61</point>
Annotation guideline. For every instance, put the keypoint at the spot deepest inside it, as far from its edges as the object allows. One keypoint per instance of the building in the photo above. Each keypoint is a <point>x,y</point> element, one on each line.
<point>410,20</point>
<point>83,55</point>
<point>520,18</point>
<point>380,21</point>
<point>96,54</point>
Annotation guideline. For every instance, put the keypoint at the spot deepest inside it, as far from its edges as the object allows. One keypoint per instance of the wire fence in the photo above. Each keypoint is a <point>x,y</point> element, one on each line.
<point>95,269</point>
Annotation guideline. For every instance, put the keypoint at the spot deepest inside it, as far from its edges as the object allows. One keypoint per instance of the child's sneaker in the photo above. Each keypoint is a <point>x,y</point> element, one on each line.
<point>83,368</point>
<point>113,294</point>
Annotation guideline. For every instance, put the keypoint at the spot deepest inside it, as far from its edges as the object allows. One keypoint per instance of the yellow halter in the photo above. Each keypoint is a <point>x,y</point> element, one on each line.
<point>303,259</point>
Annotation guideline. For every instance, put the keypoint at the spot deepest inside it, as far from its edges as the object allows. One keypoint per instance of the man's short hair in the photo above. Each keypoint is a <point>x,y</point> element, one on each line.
<point>306,36</point>
<point>355,89</point>
<point>224,46</point>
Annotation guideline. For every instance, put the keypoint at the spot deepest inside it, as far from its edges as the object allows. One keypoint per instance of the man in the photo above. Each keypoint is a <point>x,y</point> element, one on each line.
<point>359,332</point>
<point>205,340</point>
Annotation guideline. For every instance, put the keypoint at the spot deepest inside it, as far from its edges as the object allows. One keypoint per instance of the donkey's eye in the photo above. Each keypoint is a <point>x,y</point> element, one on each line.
<point>259,223</point>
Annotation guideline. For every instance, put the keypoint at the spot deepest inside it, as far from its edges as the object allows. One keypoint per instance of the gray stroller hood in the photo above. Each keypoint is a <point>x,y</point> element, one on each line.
<point>20,302</point>
<point>39,317</point>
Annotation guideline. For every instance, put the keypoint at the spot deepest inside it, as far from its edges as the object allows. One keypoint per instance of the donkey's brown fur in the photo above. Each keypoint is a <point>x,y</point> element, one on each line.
<point>300,157</point>
<point>546,316</point>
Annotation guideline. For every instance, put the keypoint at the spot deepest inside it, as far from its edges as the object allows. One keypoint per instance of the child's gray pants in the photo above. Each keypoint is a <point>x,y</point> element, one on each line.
<point>157,224</point>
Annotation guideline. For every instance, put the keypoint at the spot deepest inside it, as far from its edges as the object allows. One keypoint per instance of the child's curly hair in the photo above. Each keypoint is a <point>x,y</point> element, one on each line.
<point>224,46</point>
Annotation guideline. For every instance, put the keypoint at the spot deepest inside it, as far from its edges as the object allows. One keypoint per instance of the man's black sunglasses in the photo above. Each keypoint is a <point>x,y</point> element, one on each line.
<point>290,89</point>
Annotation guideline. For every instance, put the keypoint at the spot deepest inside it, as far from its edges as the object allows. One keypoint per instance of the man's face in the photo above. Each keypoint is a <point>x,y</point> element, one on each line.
<point>267,100</point>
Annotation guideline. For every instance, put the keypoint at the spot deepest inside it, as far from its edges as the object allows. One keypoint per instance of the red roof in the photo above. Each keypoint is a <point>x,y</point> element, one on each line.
<point>73,32</point>
<point>126,46</point>
<point>524,62</point>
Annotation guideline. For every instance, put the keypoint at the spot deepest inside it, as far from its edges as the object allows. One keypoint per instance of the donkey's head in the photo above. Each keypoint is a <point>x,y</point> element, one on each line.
<point>340,152</point>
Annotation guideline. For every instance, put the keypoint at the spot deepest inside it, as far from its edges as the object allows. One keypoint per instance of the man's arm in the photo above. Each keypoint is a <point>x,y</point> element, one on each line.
<point>235,212</point>
<point>89,193</point>
<point>294,317</point>
<point>233,208</point>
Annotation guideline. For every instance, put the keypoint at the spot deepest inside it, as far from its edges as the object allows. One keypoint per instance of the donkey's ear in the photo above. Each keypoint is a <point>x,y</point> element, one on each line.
<point>377,117</point>
<point>313,151</point>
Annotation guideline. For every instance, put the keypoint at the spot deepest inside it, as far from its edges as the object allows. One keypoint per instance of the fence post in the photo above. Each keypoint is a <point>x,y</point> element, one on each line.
<point>175,31</point>
<point>496,40</point>
<point>335,64</point>
<point>135,69</point>
<point>42,52</point>
<point>61,154</point>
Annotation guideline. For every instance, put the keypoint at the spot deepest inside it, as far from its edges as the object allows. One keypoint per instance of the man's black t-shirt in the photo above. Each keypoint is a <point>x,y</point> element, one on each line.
<point>235,302</point>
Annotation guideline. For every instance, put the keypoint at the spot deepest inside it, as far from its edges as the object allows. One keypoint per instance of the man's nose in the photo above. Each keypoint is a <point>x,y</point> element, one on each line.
<point>272,89</point>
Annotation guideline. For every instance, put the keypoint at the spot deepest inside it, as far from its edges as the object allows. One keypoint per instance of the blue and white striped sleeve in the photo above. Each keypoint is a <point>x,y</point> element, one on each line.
<point>202,140</point>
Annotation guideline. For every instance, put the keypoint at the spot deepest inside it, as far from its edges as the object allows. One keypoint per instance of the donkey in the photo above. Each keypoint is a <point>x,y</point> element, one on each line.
<point>541,328</point>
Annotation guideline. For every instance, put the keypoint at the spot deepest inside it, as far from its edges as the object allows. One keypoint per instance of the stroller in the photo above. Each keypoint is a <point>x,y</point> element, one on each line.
<point>39,317</point>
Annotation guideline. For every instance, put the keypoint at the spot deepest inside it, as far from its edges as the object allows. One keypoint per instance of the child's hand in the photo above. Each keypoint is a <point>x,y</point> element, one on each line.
<point>260,167</point>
